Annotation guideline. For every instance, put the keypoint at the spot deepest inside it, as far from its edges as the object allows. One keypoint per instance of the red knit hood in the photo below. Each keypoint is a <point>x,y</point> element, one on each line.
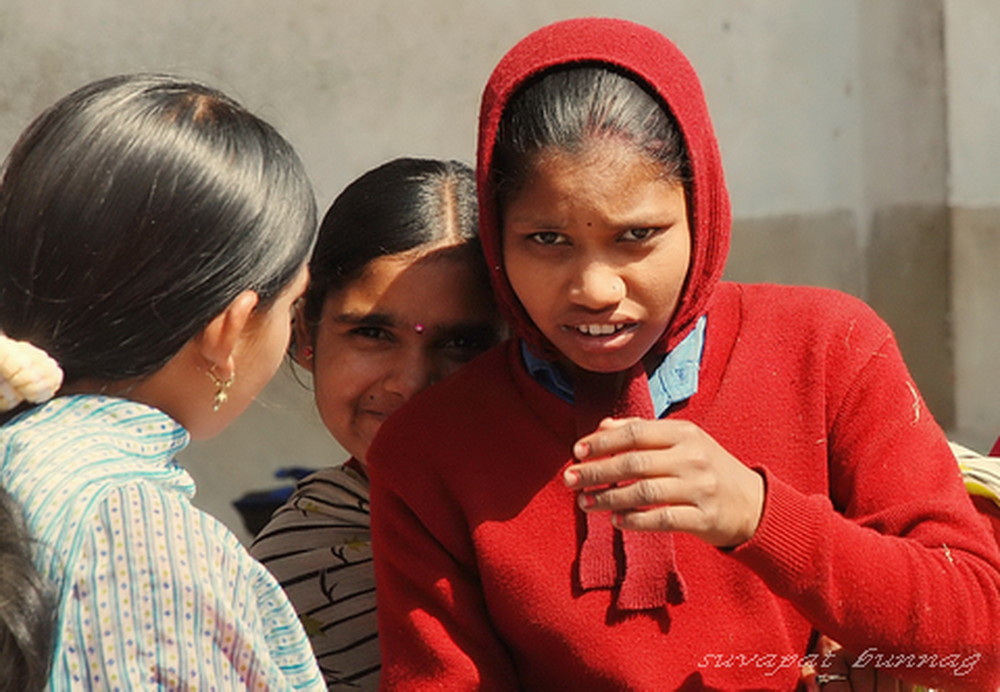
<point>654,60</point>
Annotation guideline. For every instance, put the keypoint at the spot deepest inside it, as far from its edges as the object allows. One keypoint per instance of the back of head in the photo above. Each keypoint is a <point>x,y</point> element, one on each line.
<point>133,211</point>
<point>400,206</point>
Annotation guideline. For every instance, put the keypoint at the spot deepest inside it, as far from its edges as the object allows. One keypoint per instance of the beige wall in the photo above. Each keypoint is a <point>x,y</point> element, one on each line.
<point>854,134</point>
<point>973,74</point>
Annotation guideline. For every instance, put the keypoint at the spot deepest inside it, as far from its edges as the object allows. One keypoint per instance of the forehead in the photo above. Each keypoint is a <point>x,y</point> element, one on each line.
<point>440,285</point>
<point>607,173</point>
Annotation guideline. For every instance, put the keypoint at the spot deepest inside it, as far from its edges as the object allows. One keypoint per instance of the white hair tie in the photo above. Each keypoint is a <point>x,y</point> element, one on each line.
<point>27,373</point>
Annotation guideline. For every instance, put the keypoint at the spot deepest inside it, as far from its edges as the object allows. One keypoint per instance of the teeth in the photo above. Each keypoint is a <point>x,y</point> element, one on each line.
<point>599,329</point>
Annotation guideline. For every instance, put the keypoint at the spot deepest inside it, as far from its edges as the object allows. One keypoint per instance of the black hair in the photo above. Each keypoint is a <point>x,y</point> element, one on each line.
<point>27,606</point>
<point>567,108</point>
<point>402,205</point>
<point>133,211</point>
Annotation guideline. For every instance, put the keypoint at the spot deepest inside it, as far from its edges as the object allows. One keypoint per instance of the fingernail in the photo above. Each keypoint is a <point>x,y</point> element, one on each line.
<point>586,501</point>
<point>571,478</point>
<point>581,450</point>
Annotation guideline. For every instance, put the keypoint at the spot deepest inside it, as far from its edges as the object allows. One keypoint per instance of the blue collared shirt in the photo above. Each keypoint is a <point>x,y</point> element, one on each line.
<point>674,380</point>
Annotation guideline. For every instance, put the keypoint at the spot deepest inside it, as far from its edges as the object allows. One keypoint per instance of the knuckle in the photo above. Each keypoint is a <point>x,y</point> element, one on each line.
<point>708,486</point>
<point>636,463</point>
<point>645,492</point>
<point>665,518</point>
<point>585,476</point>
<point>699,459</point>
<point>686,428</point>
<point>632,432</point>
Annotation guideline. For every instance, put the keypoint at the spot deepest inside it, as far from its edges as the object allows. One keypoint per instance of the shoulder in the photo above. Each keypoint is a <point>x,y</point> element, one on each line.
<point>329,508</point>
<point>491,367</point>
<point>431,439</point>
<point>486,380</point>
<point>329,491</point>
<point>160,527</point>
<point>807,313</point>
<point>803,301</point>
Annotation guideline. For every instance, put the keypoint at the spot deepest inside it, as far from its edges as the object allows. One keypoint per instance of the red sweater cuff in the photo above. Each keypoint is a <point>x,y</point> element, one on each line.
<point>783,550</point>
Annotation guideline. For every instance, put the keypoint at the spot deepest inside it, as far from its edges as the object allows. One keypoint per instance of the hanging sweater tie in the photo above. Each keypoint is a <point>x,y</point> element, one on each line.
<point>640,565</point>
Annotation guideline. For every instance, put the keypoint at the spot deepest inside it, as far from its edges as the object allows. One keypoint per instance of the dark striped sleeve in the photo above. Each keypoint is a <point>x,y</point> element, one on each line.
<point>318,546</point>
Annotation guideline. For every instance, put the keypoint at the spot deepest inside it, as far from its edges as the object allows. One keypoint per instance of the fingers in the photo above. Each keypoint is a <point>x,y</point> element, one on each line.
<point>666,475</point>
<point>691,505</point>
<point>641,494</point>
<point>835,673</point>
<point>615,436</point>
<point>633,448</point>
<point>625,467</point>
<point>684,518</point>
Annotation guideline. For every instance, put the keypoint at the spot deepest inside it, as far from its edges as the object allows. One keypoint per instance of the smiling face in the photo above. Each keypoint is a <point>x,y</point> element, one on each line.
<point>406,322</point>
<point>596,246</point>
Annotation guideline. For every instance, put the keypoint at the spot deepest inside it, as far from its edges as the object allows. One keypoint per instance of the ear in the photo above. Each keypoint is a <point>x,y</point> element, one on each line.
<point>217,341</point>
<point>301,348</point>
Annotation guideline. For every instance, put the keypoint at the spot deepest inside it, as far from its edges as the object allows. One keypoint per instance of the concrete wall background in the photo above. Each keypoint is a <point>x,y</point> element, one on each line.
<point>973,74</point>
<point>857,136</point>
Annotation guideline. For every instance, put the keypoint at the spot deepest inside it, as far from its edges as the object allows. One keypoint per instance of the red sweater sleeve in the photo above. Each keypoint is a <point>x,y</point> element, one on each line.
<point>893,564</point>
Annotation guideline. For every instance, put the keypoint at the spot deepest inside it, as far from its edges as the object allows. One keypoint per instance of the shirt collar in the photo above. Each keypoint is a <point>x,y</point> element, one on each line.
<point>673,381</point>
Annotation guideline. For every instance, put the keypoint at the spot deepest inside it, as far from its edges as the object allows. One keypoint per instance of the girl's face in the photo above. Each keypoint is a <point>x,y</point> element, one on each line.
<point>596,246</point>
<point>406,322</point>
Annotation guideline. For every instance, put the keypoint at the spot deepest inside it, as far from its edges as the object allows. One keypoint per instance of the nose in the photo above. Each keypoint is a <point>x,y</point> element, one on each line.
<point>414,371</point>
<point>597,285</point>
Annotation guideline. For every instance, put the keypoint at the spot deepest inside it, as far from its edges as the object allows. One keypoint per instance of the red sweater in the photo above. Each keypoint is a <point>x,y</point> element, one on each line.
<point>867,534</point>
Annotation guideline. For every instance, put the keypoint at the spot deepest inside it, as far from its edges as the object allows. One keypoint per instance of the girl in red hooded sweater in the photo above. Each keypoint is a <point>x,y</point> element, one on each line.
<point>666,481</point>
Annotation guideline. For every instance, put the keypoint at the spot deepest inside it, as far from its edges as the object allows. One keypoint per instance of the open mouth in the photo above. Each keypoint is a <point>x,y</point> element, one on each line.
<point>600,329</point>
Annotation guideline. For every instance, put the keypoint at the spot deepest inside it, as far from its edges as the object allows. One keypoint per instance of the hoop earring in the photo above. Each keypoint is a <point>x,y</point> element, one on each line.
<point>222,389</point>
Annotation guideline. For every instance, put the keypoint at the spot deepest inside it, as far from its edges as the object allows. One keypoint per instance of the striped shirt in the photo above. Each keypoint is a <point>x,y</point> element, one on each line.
<point>318,545</point>
<point>153,593</point>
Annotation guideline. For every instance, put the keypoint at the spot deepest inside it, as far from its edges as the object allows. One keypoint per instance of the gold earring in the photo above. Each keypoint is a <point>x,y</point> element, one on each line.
<point>222,389</point>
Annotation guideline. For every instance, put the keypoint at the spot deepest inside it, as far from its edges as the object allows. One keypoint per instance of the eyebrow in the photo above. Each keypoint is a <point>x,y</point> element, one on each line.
<point>636,218</point>
<point>479,329</point>
<point>537,221</point>
<point>366,319</point>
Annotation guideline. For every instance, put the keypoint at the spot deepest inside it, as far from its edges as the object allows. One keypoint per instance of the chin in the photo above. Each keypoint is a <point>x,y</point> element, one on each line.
<point>605,366</point>
<point>605,360</point>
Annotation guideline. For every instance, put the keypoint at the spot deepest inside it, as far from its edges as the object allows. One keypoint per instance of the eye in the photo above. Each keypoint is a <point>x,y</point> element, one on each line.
<point>638,234</point>
<point>371,333</point>
<point>547,238</point>
<point>466,346</point>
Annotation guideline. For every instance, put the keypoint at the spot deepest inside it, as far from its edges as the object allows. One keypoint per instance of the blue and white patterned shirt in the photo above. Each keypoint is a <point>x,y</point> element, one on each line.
<point>153,592</point>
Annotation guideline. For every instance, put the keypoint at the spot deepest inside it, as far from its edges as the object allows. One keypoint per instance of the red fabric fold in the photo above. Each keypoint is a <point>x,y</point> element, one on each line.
<point>649,577</point>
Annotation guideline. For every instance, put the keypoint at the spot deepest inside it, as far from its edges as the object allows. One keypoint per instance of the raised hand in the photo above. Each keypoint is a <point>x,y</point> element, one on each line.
<point>666,475</point>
